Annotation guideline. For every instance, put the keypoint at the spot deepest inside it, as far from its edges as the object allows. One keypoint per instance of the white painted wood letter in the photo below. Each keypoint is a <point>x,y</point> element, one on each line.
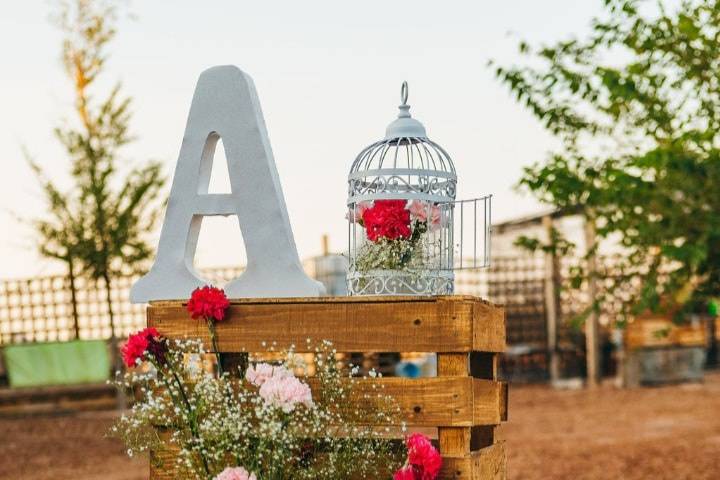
<point>225,105</point>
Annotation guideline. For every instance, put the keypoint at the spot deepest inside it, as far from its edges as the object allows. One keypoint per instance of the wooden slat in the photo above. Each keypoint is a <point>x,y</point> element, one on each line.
<point>369,324</point>
<point>460,441</point>
<point>504,398</point>
<point>453,364</point>
<point>455,441</point>
<point>162,460</point>
<point>660,331</point>
<point>440,401</point>
<point>341,299</point>
<point>489,327</point>
<point>485,464</point>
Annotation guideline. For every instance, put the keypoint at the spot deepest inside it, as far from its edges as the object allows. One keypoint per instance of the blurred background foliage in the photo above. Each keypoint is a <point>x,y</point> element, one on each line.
<point>640,147</point>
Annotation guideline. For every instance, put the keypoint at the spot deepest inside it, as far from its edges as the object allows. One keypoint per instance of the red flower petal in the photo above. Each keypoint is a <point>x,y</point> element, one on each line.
<point>209,303</point>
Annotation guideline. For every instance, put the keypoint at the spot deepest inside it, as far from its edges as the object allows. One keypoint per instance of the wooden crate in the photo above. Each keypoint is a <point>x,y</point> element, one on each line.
<point>660,331</point>
<point>463,404</point>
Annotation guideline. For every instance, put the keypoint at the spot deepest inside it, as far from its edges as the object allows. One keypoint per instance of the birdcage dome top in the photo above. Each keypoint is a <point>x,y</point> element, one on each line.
<point>405,164</point>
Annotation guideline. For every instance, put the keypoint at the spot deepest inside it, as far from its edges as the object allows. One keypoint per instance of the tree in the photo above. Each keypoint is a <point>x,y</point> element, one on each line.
<point>60,233</point>
<point>101,223</point>
<point>636,106</point>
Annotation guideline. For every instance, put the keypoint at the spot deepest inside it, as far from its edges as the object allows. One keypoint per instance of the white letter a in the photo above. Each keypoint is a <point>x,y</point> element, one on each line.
<point>225,105</point>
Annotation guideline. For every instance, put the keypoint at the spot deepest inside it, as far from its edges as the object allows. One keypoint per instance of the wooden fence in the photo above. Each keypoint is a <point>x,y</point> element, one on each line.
<point>40,310</point>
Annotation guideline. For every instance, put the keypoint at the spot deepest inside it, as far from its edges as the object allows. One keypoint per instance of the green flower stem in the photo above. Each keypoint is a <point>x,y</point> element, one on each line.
<point>194,430</point>
<point>213,338</point>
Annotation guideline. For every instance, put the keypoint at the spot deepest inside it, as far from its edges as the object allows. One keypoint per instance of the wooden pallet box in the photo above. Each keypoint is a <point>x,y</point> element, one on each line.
<point>660,331</point>
<point>660,351</point>
<point>462,406</point>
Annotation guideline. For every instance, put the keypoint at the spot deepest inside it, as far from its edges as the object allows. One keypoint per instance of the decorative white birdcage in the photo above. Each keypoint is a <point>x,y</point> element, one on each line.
<point>402,232</point>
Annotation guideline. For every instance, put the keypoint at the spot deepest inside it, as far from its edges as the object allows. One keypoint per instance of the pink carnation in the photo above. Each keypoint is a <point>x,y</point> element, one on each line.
<point>260,373</point>
<point>286,392</point>
<point>419,211</point>
<point>357,215</point>
<point>236,473</point>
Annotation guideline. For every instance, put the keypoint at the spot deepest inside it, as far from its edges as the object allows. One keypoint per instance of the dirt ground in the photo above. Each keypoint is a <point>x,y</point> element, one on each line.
<point>650,433</point>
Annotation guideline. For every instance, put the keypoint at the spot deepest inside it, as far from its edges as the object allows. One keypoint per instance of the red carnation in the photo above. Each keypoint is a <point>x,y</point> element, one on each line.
<point>405,473</point>
<point>424,461</point>
<point>145,341</point>
<point>209,303</point>
<point>387,219</point>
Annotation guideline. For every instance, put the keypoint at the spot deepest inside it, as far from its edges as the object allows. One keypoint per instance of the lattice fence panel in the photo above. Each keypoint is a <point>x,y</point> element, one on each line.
<point>40,309</point>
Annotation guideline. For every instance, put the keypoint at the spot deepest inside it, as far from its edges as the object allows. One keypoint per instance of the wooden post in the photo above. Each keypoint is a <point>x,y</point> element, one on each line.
<point>592,341</point>
<point>552,302</point>
<point>325,245</point>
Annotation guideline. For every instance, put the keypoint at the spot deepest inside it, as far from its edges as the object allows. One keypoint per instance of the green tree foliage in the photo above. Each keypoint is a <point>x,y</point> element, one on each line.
<point>636,106</point>
<point>99,225</point>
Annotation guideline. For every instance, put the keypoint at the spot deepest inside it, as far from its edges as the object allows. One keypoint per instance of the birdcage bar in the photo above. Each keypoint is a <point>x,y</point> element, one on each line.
<point>479,259</point>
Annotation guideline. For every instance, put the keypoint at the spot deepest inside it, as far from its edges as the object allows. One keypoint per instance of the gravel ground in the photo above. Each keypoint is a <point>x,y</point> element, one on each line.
<point>660,433</point>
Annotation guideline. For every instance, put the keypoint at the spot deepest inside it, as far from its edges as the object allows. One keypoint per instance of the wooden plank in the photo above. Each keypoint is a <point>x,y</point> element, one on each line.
<point>489,402</point>
<point>454,440</point>
<point>162,460</point>
<point>660,331</point>
<point>369,324</point>
<point>488,327</point>
<point>29,394</point>
<point>453,364</point>
<point>60,406</point>
<point>340,299</point>
<point>437,401</point>
<point>503,400</point>
<point>474,364</point>
<point>459,441</point>
<point>485,464</point>
<point>488,463</point>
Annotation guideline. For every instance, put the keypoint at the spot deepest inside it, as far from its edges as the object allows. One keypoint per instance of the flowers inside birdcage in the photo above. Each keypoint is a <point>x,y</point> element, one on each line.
<point>399,234</point>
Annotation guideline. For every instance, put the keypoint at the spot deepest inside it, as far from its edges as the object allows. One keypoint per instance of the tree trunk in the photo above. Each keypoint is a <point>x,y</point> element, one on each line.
<point>552,303</point>
<point>592,327</point>
<point>114,350</point>
<point>73,297</point>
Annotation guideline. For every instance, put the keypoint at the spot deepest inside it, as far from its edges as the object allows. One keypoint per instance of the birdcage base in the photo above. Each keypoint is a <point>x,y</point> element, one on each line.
<point>394,282</point>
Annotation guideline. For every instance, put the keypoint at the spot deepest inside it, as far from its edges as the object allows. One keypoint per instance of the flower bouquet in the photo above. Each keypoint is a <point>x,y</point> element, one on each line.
<point>402,247</point>
<point>273,421</point>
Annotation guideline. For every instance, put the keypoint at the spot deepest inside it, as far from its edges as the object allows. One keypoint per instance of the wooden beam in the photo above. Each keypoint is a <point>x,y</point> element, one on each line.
<point>436,401</point>
<point>485,464</point>
<point>461,441</point>
<point>371,324</point>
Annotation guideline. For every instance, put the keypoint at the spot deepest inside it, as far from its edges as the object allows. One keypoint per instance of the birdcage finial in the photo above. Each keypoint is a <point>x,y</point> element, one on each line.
<point>405,126</point>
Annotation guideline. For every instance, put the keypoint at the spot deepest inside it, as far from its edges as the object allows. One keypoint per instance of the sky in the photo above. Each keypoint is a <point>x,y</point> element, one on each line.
<point>328,75</point>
